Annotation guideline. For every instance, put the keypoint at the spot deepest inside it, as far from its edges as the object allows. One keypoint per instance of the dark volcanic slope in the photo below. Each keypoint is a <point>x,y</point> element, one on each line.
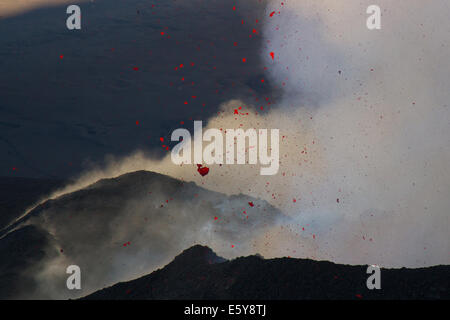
<point>17,194</point>
<point>119,229</point>
<point>198,273</point>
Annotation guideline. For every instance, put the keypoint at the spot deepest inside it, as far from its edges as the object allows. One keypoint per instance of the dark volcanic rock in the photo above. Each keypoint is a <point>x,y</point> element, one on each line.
<point>195,256</point>
<point>192,275</point>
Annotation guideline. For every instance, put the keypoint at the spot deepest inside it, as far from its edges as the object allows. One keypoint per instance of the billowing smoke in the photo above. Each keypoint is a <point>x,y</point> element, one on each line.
<point>364,140</point>
<point>381,125</point>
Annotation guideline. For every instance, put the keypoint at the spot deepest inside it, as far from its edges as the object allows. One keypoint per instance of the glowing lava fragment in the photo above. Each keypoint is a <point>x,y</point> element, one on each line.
<point>202,170</point>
